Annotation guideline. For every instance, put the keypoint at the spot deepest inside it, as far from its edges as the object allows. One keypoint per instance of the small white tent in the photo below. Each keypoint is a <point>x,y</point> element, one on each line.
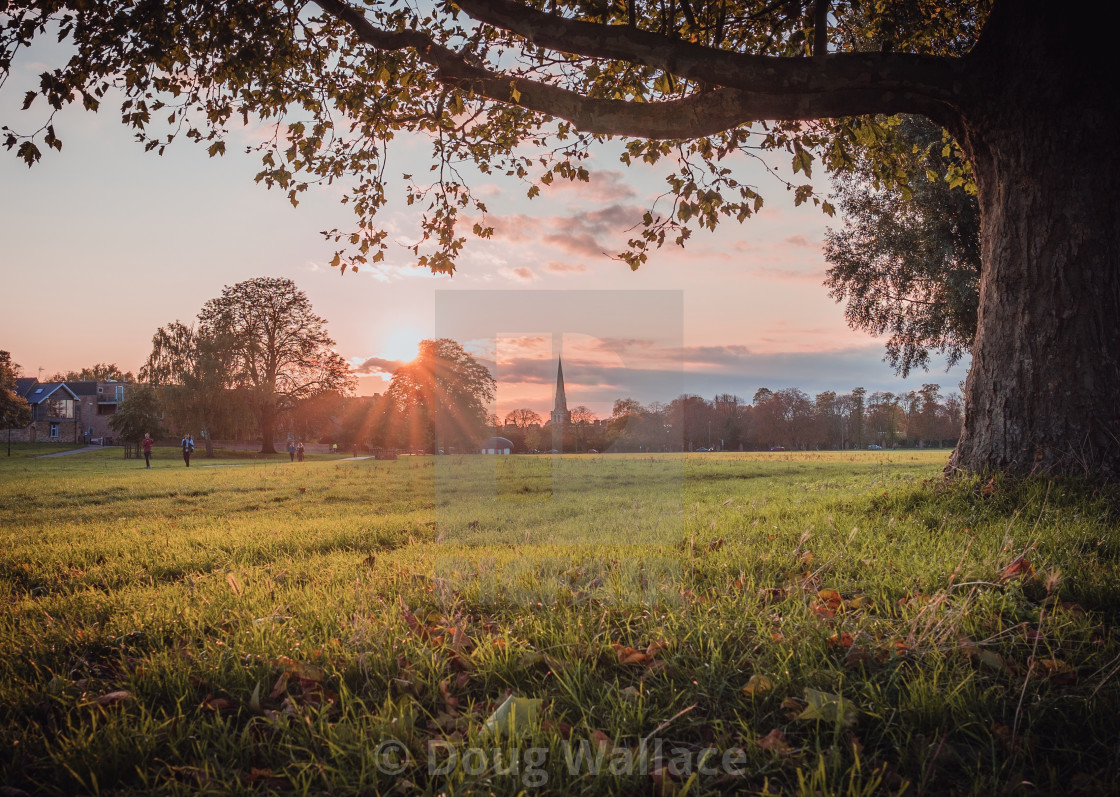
<point>497,445</point>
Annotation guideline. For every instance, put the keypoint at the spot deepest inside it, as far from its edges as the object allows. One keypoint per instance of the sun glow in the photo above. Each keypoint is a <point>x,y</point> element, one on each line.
<point>402,344</point>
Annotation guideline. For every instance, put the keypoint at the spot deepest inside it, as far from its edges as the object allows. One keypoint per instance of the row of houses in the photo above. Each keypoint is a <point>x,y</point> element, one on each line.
<point>69,412</point>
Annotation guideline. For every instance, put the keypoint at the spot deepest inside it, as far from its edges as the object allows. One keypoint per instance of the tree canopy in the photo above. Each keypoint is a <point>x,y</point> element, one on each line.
<point>278,348</point>
<point>139,414</point>
<point>907,259</point>
<point>193,370</point>
<point>684,84</point>
<point>14,409</point>
<point>442,396</point>
<point>99,372</point>
<point>260,340</point>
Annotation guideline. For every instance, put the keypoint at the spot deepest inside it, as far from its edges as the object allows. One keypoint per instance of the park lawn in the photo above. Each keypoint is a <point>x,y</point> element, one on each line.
<point>827,623</point>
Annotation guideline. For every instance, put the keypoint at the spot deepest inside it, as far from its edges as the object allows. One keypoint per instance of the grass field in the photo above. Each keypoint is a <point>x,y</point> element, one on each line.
<point>820,623</point>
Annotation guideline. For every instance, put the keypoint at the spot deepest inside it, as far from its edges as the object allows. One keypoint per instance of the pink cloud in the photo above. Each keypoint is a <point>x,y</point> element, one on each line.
<point>556,267</point>
<point>519,274</point>
<point>800,240</point>
<point>374,365</point>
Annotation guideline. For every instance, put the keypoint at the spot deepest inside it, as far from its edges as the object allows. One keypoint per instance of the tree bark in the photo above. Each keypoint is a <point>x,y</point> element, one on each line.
<point>1043,393</point>
<point>268,426</point>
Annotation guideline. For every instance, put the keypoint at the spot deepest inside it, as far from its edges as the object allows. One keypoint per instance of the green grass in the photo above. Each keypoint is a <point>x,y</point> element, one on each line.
<point>268,626</point>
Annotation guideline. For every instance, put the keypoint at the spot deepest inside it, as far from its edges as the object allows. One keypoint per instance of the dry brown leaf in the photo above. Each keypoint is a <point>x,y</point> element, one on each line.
<point>792,707</point>
<point>211,703</point>
<point>1019,567</point>
<point>1059,672</point>
<point>602,741</point>
<point>301,669</point>
<point>280,687</point>
<point>562,729</point>
<point>776,743</point>
<point>234,584</point>
<point>758,685</point>
<point>112,698</point>
<point>830,596</point>
<point>773,594</point>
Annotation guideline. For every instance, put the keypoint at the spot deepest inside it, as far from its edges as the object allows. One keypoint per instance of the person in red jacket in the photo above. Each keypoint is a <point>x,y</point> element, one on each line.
<point>146,444</point>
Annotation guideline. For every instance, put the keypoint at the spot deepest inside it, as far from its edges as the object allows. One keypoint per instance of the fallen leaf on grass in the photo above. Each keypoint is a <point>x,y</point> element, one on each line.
<point>266,778</point>
<point>301,669</point>
<point>758,685</point>
<point>991,660</point>
<point>792,707</point>
<point>633,656</point>
<point>449,700</point>
<point>715,545</point>
<point>112,698</point>
<point>775,742</point>
<point>773,594</point>
<point>831,597</point>
<point>602,741</point>
<point>280,687</point>
<point>843,640</point>
<point>1020,566</point>
<point>828,707</point>
<point>1059,672</point>
<point>630,694</point>
<point>822,610</point>
<point>514,716</point>
<point>211,703</point>
<point>234,584</point>
<point>563,729</point>
<point>315,694</point>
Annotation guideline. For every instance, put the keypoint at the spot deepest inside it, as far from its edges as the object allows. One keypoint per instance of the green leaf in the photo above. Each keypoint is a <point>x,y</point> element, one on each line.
<point>828,707</point>
<point>514,717</point>
<point>803,162</point>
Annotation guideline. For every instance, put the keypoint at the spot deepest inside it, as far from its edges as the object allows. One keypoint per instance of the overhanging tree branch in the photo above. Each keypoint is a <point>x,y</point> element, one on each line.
<point>752,87</point>
<point>933,80</point>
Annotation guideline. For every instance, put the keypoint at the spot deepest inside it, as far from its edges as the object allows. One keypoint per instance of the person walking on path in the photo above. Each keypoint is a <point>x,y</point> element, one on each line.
<point>299,451</point>
<point>188,448</point>
<point>146,445</point>
<point>292,450</point>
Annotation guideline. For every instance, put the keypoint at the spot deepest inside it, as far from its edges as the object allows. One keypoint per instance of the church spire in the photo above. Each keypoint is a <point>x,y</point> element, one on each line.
<point>561,399</point>
<point>560,414</point>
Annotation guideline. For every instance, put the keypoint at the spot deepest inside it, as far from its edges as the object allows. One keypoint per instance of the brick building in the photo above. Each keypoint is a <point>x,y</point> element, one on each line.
<point>69,412</point>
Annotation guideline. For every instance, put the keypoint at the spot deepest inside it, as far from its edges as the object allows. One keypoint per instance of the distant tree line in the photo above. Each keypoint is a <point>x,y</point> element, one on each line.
<point>784,419</point>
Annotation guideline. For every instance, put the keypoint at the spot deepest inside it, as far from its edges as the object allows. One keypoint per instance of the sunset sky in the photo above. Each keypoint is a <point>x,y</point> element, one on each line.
<point>102,244</point>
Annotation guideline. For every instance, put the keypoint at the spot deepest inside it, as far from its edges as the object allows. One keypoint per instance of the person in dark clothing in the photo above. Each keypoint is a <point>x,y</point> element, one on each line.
<point>299,451</point>
<point>292,450</point>
<point>146,446</point>
<point>188,448</point>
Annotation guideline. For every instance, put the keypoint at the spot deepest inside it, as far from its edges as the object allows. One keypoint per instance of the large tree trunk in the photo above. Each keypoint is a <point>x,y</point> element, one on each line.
<point>268,426</point>
<point>1043,394</point>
